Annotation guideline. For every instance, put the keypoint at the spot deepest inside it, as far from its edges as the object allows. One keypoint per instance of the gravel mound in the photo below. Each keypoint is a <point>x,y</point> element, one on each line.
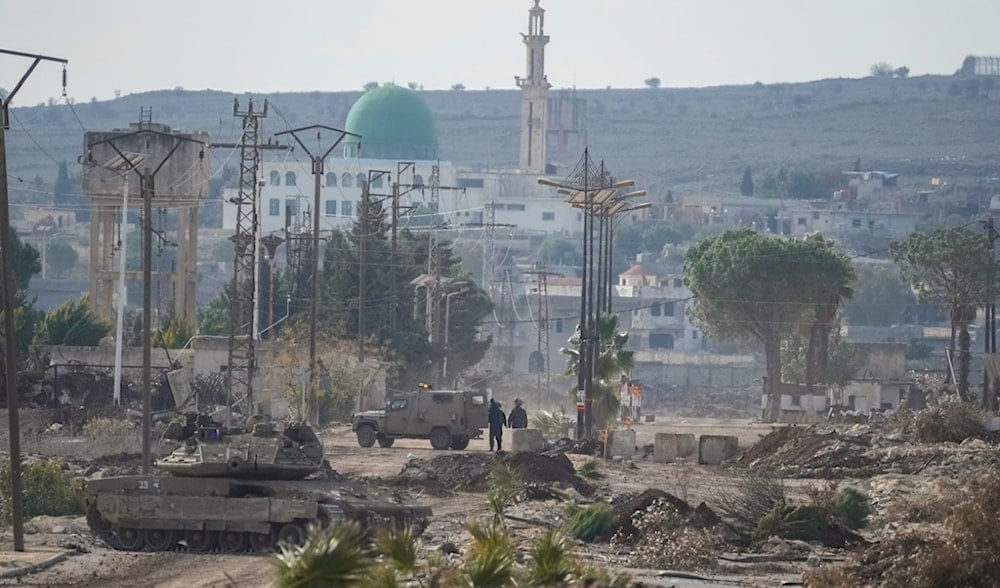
<point>470,472</point>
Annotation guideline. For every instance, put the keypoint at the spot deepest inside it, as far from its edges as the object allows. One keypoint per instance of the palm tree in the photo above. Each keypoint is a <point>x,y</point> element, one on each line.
<point>612,360</point>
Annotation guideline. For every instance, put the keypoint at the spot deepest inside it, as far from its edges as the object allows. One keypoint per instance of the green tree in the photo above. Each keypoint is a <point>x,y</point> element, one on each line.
<point>653,82</point>
<point>746,186</point>
<point>389,323</point>
<point>955,268</point>
<point>831,287</point>
<point>63,191</point>
<point>213,318</point>
<point>60,258</point>
<point>73,323</point>
<point>753,287</point>
<point>880,297</point>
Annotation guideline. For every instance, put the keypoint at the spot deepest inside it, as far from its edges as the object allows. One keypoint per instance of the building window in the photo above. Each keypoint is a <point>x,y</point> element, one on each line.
<point>346,208</point>
<point>856,223</point>
<point>515,207</point>
<point>331,208</point>
<point>275,178</point>
<point>655,309</point>
<point>418,180</point>
<point>274,207</point>
<point>802,221</point>
<point>470,182</point>
<point>377,181</point>
<point>331,180</point>
<point>694,334</point>
<point>290,179</point>
<point>291,207</point>
<point>678,282</point>
<point>668,309</point>
<point>347,180</point>
<point>360,179</point>
<point>548,216</point>
<point>661,341</point>
<point>796,400</point>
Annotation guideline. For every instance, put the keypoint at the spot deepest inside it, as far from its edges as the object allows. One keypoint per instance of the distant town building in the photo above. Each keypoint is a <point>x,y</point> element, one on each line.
<point>981,65</point>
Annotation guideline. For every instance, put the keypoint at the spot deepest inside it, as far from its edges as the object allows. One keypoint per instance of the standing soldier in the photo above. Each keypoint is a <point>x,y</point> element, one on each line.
<point>518,416</point>
<point>498,420</point>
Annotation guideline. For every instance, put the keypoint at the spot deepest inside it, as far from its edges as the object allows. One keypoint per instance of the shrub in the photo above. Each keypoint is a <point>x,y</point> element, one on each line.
<point>851,507</point>
<point>752,498</point>
<point>334,556</point>
<point>590,469</point>
<point>951,420</point>
<point>590,522</point>
<point>110,436</point>
<point>47,490</point>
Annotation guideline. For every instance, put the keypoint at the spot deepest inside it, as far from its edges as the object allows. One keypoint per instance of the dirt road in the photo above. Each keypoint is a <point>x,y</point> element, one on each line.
<point>100,566</point>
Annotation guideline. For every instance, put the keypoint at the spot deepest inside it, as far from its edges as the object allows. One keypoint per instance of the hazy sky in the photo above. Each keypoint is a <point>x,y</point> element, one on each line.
<point>296,45</point>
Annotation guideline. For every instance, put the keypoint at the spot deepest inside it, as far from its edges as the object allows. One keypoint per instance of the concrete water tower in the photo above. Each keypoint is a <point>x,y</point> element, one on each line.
<point>178,165</point>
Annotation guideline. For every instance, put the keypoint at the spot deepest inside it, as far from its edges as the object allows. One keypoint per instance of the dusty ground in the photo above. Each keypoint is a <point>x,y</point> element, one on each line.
<point>100,566</point>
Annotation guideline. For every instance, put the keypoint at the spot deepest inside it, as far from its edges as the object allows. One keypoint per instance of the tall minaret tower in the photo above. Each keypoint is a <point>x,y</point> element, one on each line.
<point>534,94</point>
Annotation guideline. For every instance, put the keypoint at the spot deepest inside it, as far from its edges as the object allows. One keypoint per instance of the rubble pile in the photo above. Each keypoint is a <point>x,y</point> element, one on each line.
<point>659,530</point>
<point>805,452</point>
<point>860,452</point>
<point>470,472</point>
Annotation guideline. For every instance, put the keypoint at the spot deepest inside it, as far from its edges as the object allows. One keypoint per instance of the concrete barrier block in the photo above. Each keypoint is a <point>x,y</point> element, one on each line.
<point>667,447</point>
<point>527,440</point>
<point>621,443</point>
<point>715,449</point>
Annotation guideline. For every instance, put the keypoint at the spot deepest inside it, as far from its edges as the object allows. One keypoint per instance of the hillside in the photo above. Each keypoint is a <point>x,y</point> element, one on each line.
<point>679,139</point>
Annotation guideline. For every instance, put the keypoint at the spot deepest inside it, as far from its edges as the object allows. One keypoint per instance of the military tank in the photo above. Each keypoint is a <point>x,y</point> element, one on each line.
<point>231,490</point>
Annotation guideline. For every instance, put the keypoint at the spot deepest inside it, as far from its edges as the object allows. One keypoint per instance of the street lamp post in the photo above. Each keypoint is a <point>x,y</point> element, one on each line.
<point>594,198</point>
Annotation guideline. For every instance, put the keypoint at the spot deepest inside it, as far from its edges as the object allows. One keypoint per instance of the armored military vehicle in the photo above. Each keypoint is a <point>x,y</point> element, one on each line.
<point>449,418</point>
<point>230,490</point>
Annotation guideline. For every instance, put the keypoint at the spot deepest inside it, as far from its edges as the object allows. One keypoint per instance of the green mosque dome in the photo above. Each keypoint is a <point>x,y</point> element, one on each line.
<point>394,123</point>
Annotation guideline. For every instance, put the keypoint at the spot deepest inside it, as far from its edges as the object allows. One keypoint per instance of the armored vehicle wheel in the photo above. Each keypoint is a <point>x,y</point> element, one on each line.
<point>130,539</point>
<point>384,441</point>
<point>366,435</point>
<point>261,542</point>
<point>232,541</point>
<point>160,539</point>
<point>440,438</point>
<point>199,541</point>
<point>459,442</point>
<point>291,533</point>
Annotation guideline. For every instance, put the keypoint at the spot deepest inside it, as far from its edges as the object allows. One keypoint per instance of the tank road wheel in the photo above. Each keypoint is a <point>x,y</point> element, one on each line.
<point>261,542</point>
<point>232,541</point>
<point>366,435</point>
<point>384,441</point>
<point>160,539</point>
<point>199,541</point>
<point>130,539</point>
<point>440,438</point>
<point>291,533</point>
<point>459,442</point>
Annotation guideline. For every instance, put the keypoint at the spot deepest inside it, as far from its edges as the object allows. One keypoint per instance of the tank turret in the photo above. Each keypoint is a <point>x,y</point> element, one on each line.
<point>261,450</point>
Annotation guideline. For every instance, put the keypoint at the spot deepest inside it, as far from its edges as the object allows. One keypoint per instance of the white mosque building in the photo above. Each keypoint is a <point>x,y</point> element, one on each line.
<point>399,137</point>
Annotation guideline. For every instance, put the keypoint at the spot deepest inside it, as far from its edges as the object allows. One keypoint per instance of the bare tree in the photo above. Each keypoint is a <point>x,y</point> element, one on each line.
<point>882,70</point>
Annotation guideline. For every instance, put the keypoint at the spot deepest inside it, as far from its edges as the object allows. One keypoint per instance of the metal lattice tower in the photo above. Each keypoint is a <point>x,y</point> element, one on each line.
<point>239,376</point>
<point>542,322</point>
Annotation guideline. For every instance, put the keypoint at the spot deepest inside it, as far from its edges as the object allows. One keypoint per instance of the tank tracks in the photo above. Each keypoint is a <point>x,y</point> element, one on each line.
<point>236,542</point>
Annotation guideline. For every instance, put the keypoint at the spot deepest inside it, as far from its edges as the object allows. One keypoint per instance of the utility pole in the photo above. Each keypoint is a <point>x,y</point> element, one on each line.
<point>147,191</point>
<point>317,170</point>
<point>7,269</point>
<point>401,167</point>
<point>542,289</point>
<point>990,340</point>
<point>242,312</point>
